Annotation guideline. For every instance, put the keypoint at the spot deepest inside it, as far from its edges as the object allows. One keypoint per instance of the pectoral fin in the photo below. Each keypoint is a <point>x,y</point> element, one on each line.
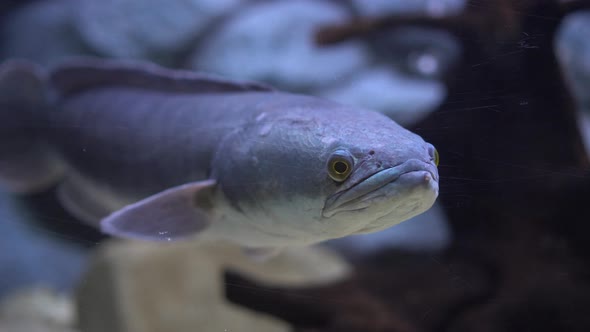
<point>170,215</point>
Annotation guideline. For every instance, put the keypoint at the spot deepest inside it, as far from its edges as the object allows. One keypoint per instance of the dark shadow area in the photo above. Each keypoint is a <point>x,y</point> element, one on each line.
<point>48,214</point>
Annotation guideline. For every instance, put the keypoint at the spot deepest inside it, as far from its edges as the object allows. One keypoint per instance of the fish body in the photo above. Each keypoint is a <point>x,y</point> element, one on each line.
<point>159,154</point>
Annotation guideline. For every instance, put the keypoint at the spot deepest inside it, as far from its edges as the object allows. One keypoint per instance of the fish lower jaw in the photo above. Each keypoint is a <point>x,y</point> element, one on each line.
<point>420,186</point>
<point>410,208</point>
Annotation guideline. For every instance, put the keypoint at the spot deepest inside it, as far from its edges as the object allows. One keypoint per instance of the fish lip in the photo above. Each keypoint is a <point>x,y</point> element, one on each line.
<point>375,182</point>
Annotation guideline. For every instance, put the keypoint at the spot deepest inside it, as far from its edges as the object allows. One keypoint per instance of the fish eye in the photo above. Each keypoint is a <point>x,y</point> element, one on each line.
<point>436,157</point>
<point>340,166</point>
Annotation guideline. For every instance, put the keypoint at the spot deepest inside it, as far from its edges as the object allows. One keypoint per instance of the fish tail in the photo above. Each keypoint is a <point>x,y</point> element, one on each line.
<point>27,163</point>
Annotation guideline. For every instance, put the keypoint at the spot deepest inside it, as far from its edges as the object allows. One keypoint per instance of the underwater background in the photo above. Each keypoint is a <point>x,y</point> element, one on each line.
<point>501,88</point>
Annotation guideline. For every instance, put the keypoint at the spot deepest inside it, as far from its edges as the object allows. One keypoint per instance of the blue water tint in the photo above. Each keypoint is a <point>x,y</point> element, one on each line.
<point>31,255</point>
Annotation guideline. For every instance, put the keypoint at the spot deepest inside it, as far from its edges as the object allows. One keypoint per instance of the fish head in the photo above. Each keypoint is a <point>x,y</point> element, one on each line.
<point>312,176</point>
<point>380,177</point>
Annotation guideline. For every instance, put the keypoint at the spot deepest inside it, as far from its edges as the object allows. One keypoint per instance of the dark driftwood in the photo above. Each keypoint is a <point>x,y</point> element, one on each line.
<point>515,183</point>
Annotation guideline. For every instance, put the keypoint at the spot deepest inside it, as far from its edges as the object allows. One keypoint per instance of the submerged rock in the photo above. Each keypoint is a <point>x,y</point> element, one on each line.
<point>146,28</point>
<point>180,286</point>
<point>417,51</point>
<point>584,124</point>
<point>41,32</point>
<point>432,7</point>
<point>33,254</point>
<point>274,42</point>
<point>573,50</point>
<point>402,98</point>
<point>24,326</point>
<point>37,310</point>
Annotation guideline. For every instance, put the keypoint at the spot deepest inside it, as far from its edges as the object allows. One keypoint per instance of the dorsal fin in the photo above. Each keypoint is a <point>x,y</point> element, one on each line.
<point>79,74</point>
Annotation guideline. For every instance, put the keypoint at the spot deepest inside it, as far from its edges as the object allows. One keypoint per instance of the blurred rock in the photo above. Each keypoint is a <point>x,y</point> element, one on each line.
<point>180,287</point>
<point>41,32</point>
<point>38,304</point>
<point>24,326</point>
<point>36,310</point>
<point>406,80</point>
<point>274,42</point>
<point>32,254</point>
<point>573,50</point>
<point>572,47</point>
<point>432,7</point>
<point>403,98</point>
<point>584,123</point>
<point>148,29</point>
<point>294,267</point>
<point>417,51</point>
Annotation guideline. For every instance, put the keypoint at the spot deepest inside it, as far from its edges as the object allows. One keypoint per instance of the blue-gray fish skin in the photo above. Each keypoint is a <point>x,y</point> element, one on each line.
<point>161,155</point>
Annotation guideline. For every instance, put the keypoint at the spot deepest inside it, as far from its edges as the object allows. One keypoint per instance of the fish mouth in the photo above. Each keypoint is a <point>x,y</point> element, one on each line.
<point>379,185</point>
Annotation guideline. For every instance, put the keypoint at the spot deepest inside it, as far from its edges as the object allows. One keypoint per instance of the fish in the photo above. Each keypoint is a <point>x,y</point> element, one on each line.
<point>151,153</point>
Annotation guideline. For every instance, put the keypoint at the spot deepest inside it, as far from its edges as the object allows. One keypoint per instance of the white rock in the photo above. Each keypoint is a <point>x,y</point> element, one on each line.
<point>294,267</point>
<point>147,287</point>
<point>146,28</point>
<point>36,310</point>
<point>26,326</point>
<point>38,304</point>
<point>403,98</point>
<point>274,42</point>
